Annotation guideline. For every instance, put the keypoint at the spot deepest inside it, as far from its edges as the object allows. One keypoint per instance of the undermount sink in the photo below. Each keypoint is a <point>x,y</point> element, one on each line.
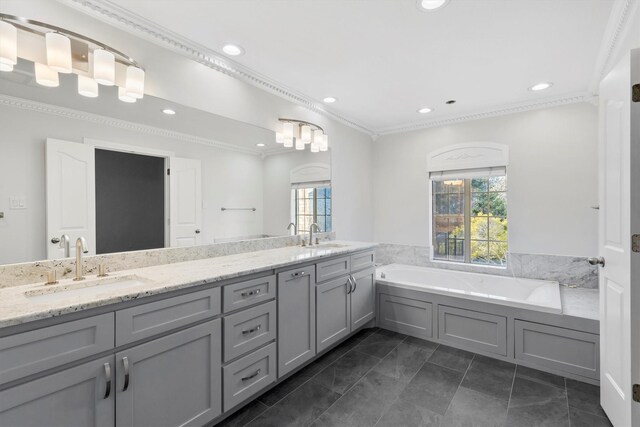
<point>49,293</point>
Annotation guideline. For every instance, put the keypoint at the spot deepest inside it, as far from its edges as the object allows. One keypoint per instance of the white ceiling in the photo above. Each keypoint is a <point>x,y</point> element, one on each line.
<point>384,59</point>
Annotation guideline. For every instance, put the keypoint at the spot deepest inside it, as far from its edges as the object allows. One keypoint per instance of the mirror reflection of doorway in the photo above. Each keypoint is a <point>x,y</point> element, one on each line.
<point>130,201</point>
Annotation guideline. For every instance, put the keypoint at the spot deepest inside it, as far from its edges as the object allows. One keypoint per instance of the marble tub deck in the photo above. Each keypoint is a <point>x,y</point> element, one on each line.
<point>16,308</point>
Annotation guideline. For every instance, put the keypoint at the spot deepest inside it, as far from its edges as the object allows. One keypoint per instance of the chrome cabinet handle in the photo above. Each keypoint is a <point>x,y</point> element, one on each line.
<point>355,284</point>
<point>298,274</point>
<point>350,285</point>
<point>107,374</point>
<point>125,364</point>
<point>250,293</point>
<point>252,330</point>
<point>255,374</point>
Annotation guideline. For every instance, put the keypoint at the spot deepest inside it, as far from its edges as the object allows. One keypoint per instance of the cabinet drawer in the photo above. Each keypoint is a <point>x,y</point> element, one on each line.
<point>332,269</point>
<point>250,292</point>
<point>245,377</point>
<point>473,329</point>
<point>363,260</point>
<point>558,348</point>
<point>406,315</point>
<point>36,351</point>
<point>146,320</point>
<point>249,329</point>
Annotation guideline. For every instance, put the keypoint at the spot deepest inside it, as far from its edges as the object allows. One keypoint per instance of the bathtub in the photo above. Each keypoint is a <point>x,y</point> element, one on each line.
<point>530,294</point>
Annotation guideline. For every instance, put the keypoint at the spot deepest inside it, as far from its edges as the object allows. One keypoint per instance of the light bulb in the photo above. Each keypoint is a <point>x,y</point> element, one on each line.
<point>8,46</point>
<point>122,96</point>
<point>87,86</point>
<point>45,76</point>
<point>135,82</point>
<point>104,67</point>
<point>299,144</point>
<point>58,52</point>
<point>305,134</point>
<point>279,138</point>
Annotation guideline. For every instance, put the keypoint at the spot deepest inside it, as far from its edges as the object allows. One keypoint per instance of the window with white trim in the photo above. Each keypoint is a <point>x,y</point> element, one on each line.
<point>469,216</point>
<point>311,203</point>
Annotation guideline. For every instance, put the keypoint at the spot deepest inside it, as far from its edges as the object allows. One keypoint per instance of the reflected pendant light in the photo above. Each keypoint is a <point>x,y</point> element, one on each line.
<point>87,86</point>
<point>279,138</point>
<point>8,46</point>
<point>58,52</point>
<point>287,132</point>
<point>124,97</point>
<point>135,82</point>
<point>325,143</point>
<point>299,144</point>
<point>314,147</point>
<point>104,67</point>
<point>45,76</point>
<point>305,134</point>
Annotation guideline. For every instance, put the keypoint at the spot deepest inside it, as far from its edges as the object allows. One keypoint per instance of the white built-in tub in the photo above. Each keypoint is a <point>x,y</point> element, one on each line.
<point>539,295</point>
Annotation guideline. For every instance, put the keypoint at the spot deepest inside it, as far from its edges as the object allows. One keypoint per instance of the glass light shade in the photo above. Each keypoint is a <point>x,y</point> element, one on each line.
<point>288,142</point>
<point>287,130</point>
<point>58,52</point>
<point>45,76</point>
<point>104,67</point>
<point>87,87</point>
<point>135,82</point>
<point>318,136</point>
<point>305,134</point>
<point>279,138</point>
<point>325,143</point>
<point>122,95</point>
<point>315,147</point>
<point>8,46</point>
<point>299,144</point>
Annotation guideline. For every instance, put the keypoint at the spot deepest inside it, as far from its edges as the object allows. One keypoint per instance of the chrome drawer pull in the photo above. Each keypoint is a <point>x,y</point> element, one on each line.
<point>252,330</point>
<point>107,374</point>
<point>298,274</point>
<point>250,293</point>
<point>355,284</point>
<point>125,364</point>
<point>255,374</point>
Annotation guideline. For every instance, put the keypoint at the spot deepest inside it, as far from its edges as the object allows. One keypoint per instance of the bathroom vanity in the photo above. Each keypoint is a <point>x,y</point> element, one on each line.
<point>181,344</point>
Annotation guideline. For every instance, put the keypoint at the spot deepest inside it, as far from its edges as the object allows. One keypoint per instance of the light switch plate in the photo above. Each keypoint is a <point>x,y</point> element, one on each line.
<point>17,202</point>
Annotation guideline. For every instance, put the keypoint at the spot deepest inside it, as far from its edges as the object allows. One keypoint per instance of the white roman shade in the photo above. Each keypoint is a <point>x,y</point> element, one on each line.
<point>468,173</point>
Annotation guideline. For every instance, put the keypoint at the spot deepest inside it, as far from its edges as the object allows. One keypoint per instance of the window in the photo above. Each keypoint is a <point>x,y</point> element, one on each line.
<point>312,204</point>
<point>469,219</point>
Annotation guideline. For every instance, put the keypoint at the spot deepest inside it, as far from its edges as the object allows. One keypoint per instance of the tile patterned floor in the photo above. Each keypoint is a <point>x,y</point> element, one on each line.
<point>384,379</point>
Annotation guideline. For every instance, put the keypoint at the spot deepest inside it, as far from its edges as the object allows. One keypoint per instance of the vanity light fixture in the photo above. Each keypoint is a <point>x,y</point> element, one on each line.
<point>540,86</point>
<point>299,134</point>
<point>425,110</point>
<point>431,5</point>
<point>232,49</point>
<point>329,100</point>
<point>169,111</point>
<point>69,52</point>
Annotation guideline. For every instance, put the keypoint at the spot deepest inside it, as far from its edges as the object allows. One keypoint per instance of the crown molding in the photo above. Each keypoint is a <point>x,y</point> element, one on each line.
<point>113,14</point>
<point>492,112</point>
<point>69,113</point>
<point>618,24</point>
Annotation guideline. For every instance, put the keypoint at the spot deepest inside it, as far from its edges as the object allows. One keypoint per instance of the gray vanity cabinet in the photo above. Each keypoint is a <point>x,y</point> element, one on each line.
<point>363,297</point>
<point>78,396</point>
<point>296,318</point>
<point>171,381</point>
<point>333,320</point>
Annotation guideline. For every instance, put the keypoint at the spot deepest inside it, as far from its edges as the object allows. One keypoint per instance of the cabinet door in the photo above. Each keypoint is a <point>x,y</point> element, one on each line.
<point>73,397</point>
<point>363,298</point>
<point>173,381</point>
<point>296,318</point>
<point>333,312</point>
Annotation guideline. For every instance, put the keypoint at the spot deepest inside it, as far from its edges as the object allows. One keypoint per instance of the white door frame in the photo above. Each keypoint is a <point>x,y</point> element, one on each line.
<point>136,149</point>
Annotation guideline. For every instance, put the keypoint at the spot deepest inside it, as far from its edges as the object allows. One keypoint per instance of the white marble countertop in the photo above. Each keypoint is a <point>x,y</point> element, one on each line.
<point>16,308</point>
<point>580,302</point>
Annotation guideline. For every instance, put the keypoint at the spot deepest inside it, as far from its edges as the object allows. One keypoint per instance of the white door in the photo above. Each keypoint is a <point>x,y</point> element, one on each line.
<point>185,202</point>
<point>619,286</point>
<point>70,195</point>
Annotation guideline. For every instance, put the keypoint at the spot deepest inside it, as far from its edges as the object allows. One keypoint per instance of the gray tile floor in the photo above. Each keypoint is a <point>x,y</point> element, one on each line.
<point>384,379</point>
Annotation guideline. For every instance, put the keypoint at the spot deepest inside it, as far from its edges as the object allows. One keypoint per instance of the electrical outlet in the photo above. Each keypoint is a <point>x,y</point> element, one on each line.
<point>17,202</point>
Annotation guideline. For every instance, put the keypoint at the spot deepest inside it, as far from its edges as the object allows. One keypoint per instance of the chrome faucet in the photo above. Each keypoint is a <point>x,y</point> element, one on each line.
<point>311,227</point>
<point>295,229</point>
<point>64,244</point>
<point>81,247</point>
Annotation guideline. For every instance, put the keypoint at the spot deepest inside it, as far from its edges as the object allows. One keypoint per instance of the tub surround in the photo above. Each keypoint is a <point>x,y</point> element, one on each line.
<point>16,308</point>
<point>580,302</point>
<point>567,270</point>
<point>32,272</point>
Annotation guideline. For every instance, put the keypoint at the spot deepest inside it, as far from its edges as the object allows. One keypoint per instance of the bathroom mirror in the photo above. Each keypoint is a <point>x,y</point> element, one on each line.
<point>127,176</point>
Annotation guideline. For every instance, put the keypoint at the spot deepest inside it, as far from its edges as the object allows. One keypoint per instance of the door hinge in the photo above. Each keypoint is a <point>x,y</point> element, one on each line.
<point>636,392</point>
<point>635,92</point>
<point>635,243</point>
<point>168,171</point>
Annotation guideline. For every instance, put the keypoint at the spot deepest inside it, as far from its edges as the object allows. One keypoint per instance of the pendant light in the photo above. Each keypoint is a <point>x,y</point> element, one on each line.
<point>124,97</point>
<point>300,133</point>
<point>279,138</point>
<point>58,52</point>
<point>45,76</point>
<point>87,87</point>
<point>305,134</point>
<point>314,147</point>
<point>287,132</point>
<point>299,144</point>
<point>8,46</point>
<point>325,143</point>
<point>104,67</point>
<point>135,82</point>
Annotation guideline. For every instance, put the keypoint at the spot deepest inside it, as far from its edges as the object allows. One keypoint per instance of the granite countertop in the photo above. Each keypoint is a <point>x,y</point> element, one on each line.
<point>16,308</point>
<point>580,302</point>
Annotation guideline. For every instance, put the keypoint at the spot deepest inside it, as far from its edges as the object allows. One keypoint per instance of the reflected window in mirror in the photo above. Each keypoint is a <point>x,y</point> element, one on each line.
<point>312,203</point>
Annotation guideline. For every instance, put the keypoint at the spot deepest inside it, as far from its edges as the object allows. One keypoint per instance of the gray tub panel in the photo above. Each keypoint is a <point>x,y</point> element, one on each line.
<point>406,315</point>
<point>473,329</point>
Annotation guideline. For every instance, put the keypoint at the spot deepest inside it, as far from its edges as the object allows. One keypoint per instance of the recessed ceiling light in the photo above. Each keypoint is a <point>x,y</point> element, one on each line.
<point>425,110</point>
<point>541,86</point>
<point>431,5</point>
<point>169,111</point>
<point>329,100</point>
<point>260,144</point>
<point>232,49</point>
